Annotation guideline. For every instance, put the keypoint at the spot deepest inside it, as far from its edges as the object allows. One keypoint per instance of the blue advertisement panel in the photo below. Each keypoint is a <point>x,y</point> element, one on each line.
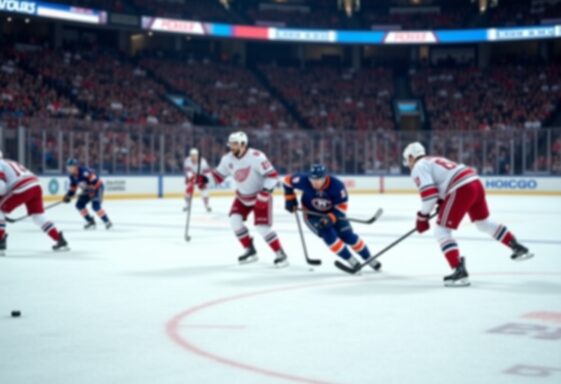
<point>221,30</point>
<point>361,37</point>
<point>462,36</point>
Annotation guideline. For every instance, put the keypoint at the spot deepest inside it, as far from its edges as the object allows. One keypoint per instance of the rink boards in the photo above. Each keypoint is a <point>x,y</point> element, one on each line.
<point>162,186</point>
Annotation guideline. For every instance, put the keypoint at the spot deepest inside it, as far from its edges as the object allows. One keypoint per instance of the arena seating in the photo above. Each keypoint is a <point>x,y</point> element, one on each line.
<point>230,92</point>
<point>334,99</point>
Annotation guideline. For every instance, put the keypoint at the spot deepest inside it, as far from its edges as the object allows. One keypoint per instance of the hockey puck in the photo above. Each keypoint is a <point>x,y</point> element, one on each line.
<point>16,313</point>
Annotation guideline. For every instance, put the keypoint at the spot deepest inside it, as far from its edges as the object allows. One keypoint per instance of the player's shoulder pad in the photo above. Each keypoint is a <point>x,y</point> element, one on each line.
<point>419,164</point>
<point>298,177</point>
<point>337,182</point>
<point>255,152</point>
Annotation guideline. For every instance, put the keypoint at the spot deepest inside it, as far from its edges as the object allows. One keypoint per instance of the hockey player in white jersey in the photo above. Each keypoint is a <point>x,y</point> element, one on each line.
<point>190,166</point>
<point>19,186</point>
<point>456,190</point>
<point>255,178</point>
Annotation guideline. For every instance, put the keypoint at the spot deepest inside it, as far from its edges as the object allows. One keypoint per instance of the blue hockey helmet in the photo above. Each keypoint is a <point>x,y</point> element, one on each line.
<point>72,162</point>
<point>317,171</point>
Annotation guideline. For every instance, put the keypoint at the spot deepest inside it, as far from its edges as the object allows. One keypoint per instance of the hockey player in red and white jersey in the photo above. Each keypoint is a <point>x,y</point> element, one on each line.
<point>19,186</point>
<point>190,166</point>
<point>456,190</point>
<point>255,178</point>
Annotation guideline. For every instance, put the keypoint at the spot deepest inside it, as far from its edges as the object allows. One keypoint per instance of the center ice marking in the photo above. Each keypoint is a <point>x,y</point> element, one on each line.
<point>180,321</point>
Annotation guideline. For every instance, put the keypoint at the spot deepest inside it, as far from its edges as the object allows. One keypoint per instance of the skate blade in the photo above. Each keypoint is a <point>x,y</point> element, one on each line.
<point>458,283</point>
<point>249,260</point>
<point>90,229</point>
<point>282,264</point>
<point>526,256</point>
<point>62,249</point>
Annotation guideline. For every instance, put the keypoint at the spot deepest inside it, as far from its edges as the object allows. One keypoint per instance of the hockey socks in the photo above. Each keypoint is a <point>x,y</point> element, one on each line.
<point>503,235</point>
<point>103,216</point>
<point>243,237</point>
<point>273,241</point>
<point>498,231</point>
<point>361,248</point>
<point>451,251</point>
<point>340,249</point>
<point>86,215</point>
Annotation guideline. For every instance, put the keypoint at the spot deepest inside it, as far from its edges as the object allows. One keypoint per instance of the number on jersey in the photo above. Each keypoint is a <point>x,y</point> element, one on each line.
<point>17,167</point>
<point>444,163</point>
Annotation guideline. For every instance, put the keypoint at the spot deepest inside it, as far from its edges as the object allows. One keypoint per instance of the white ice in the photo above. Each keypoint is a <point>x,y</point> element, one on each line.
<point>137,304</point>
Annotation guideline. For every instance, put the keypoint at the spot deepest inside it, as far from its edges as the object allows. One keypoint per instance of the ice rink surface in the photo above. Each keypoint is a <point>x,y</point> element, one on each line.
<point>137,304</point>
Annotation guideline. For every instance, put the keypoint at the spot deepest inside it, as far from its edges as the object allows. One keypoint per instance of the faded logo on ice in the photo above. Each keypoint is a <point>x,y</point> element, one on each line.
<point>242,174</point>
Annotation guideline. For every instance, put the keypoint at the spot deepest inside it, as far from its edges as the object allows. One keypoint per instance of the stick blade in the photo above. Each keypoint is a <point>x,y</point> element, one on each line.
<point>376,216</point>
<point>345,268</point>
<point>313,261</point>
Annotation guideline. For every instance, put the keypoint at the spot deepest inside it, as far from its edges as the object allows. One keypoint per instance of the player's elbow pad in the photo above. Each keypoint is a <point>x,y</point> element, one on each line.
<point>270,184</point>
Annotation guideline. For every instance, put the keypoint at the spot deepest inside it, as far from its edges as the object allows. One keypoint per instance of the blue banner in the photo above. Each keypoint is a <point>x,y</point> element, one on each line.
<point>361,37</point>
<point>462,36</point>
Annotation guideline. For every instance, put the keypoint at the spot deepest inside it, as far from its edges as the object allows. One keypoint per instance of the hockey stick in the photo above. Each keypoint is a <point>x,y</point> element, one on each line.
<point>308,260</point>
<point>376,216</point>
<point>348,269</point>
<point>9,220</point>
<point>188,222</point>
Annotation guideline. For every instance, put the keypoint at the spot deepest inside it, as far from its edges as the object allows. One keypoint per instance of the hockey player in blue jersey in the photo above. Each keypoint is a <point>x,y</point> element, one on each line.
<point>92,189</point>
<point>326,194</point>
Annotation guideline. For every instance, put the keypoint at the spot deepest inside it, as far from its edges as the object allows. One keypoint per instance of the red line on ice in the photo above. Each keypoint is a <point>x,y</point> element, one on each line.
<point>173,326</point>
<point>212,326</point>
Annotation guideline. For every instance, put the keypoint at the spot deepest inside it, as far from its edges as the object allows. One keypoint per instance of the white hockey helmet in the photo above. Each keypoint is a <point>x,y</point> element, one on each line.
<point>238,137</point>
<point>194,152</point>
<point>415,149</point>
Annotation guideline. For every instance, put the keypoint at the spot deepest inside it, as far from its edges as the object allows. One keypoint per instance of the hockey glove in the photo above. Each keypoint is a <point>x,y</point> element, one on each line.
<point>202,181</point>
<point>422,222</point>
<point>67,198</point>
<point>290,203</point>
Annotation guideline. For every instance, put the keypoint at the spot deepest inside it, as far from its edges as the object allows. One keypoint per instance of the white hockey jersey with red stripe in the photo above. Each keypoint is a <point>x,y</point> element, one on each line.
<point>252,173</point>
<point>436,177</point>
<point>190,168</point>
<point>18,179</point>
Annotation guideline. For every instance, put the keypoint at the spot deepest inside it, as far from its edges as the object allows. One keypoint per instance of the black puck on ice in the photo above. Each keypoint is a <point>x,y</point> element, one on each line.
<point>16,313</point>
